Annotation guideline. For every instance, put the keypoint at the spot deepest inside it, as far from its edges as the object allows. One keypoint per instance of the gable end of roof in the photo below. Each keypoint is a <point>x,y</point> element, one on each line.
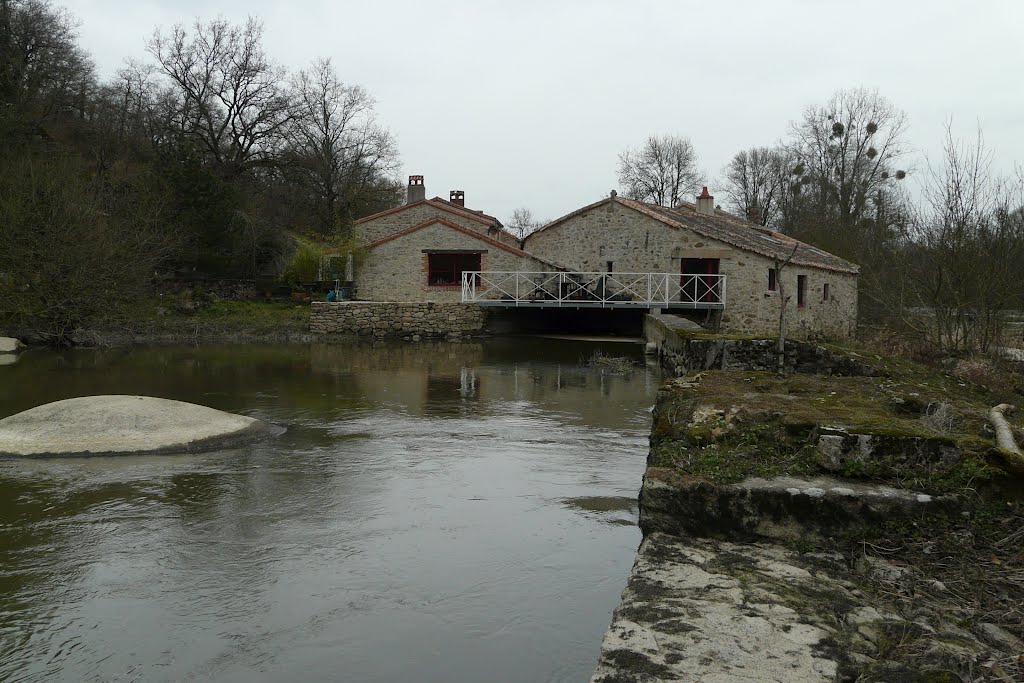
<point>437,203</point>
<point>466,231</point>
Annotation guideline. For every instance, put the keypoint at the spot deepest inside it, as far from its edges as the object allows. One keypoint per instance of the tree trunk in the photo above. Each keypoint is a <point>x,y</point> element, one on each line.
<point>781,347</point>
<point>1004,432</point>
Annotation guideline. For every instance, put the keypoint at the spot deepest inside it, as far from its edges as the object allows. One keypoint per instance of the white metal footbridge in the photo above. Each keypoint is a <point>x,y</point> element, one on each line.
<point>593,290</point>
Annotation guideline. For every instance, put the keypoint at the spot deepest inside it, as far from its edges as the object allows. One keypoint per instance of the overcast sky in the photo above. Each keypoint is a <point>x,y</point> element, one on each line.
<point>528,102</point>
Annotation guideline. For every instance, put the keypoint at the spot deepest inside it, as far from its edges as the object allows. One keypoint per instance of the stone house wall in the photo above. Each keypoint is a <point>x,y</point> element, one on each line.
<point>397,270</point>
<point>634,242</point>
<point>412,320</point>
<point>751,309</point>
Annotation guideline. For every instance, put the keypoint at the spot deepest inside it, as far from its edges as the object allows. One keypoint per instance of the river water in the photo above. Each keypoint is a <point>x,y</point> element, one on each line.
<point>434,512</point>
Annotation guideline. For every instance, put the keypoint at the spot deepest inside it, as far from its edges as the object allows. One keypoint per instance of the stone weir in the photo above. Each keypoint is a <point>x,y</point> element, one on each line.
<point>808,527</point>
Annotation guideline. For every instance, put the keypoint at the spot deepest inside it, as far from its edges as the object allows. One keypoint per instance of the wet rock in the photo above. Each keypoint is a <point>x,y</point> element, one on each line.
<point>10,345</point>
<point>123,425</point>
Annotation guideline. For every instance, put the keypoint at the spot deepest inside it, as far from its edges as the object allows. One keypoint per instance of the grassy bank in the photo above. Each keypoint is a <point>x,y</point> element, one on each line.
<point>161,320</point>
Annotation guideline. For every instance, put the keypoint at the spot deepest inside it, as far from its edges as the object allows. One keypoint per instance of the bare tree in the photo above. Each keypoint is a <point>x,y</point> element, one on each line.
<point>125,117</point>
<point>780,266</point>
<point>43,70</point>
<point>962,254</point>
<point>846,154</point>
<point>663,171</point>
<point>230,97</point>
<point>755,179</point>
<point>334,140</point>
<point>73,248</point>
<point>523,223</point>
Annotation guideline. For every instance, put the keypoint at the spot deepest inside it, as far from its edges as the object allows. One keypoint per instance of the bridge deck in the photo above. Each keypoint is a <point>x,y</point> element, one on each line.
<point>638,305</point>
<point>510,289</point>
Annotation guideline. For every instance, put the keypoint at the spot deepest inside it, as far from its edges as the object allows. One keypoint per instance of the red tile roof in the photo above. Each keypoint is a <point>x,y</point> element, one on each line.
<point>450,207</point>
<point>466,231</point>
<point>437,203</point>
<point>462,208</point>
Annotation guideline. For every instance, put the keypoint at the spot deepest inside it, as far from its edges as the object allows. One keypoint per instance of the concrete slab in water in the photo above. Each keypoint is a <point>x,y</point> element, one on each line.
<point>123,425</point>
<point>10,345</point>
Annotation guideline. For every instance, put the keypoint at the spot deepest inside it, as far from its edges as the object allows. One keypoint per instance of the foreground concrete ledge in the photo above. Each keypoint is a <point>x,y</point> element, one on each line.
<point>706,610</point>
<point>124,425</point>
<point>783,508</point>
<point>701,610</point>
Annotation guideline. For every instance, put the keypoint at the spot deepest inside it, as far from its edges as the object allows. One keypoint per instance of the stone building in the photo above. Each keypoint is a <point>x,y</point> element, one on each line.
<point>619,235</point>
<point>418,251</point>
<point>722,269</point>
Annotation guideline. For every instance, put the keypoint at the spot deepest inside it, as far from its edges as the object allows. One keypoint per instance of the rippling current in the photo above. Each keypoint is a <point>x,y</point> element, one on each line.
<point>434,512</point>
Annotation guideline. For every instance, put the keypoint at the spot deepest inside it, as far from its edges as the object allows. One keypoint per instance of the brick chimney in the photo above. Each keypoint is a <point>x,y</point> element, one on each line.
<point>457,197</point>
<point>416,191</point>
<point>754,214</point>
<point>705,203</point>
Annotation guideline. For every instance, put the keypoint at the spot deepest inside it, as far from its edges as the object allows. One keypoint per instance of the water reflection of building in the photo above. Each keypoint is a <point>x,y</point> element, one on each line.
<point>468,379</point>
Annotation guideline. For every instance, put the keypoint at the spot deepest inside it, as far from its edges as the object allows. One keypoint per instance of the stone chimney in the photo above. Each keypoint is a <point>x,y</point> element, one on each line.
<point>754,214</point>
<point>417,191</point>
<point>457,197</point>
<point>705,203</point>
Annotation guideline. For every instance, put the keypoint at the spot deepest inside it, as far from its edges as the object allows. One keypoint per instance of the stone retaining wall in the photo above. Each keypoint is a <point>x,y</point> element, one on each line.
<point>403,320</point>
<point>684,355</point>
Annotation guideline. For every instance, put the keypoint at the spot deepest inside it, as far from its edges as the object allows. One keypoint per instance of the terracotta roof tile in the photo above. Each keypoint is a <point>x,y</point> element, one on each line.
<point>437,203</point>
<point>462,208</point>
<point>466,231</point>
<point>501,228</point>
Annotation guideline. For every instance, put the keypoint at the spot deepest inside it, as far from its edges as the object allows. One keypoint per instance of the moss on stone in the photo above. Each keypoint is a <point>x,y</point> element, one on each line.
<point>729,425</point>
<point>696,334</point>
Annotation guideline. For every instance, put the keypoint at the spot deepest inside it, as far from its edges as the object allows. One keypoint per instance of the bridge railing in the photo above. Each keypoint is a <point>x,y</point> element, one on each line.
<point>607,290</point>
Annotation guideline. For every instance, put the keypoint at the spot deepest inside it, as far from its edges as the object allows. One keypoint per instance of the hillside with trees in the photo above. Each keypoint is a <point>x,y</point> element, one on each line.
<point>203,159</point>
